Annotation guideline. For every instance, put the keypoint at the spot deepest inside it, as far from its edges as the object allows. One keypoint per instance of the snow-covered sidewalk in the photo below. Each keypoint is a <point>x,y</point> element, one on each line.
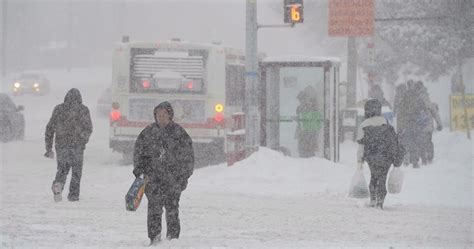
<point>266,201</point>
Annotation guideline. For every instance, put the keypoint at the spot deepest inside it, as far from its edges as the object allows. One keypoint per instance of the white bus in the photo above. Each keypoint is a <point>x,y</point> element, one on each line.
<point>203,82</point>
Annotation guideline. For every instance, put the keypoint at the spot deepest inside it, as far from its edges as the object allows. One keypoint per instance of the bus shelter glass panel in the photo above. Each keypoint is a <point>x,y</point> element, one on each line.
<point>301,110</point>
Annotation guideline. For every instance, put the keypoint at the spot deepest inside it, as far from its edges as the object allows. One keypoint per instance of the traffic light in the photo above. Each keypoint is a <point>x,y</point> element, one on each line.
<point>293,10</point>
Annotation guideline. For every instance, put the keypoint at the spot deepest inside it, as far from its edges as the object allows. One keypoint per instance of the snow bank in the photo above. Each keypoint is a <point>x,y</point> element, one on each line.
<point>447,182</point>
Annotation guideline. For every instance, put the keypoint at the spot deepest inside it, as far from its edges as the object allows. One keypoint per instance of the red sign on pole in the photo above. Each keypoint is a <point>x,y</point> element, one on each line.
<point>351,17</point>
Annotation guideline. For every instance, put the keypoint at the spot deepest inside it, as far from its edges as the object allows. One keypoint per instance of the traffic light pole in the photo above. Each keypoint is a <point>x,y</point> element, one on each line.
<point>252,89</point>
<point>252,119</point>
<point>4,43</point>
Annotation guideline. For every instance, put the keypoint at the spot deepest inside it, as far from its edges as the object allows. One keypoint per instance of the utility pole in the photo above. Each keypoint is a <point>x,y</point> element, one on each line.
<point>351,72</point>
<point>252,119</point>
<point>4,40</point>
<point>70,54</point>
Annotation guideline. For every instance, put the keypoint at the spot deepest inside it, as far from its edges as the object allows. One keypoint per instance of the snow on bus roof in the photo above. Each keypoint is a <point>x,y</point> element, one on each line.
<point>301,58</point>
<point>170,43</point>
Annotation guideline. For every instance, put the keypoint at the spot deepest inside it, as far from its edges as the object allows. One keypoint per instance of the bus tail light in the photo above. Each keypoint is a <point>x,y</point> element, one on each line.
<point>146,84</point>
<point>219,117</point>
<point>115,115</point>
<point>189,85</point>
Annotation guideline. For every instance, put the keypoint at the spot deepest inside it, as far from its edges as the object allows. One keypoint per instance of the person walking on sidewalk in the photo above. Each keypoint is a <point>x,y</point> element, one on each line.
<point>164,154</point>
<point>379,147</point>
<point>70,127</point>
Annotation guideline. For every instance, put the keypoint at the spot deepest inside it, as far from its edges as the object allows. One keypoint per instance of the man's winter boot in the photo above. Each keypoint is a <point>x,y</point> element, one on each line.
<point>379,205</point>
<point>170,237</point>
<point>372,203</point>
<point>57,189</point>
<point>73,198</point>
<point>155,240</point>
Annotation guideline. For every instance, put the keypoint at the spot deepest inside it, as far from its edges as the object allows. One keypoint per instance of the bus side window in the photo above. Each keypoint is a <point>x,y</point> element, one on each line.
<point>235,85</point>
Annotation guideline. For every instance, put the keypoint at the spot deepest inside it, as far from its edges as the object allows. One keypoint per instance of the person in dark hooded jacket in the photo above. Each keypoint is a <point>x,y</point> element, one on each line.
<point>309,122</point>
<point>379,147</point>
<point>70,127</point>
<point>164,154</point>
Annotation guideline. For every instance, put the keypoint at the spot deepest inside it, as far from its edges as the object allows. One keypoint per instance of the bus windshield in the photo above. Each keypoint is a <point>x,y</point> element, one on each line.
<point>153,71</point>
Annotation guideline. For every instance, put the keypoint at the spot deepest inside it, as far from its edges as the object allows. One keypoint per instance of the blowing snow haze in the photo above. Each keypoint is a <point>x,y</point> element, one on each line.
<point>80,33</point>
<point>285,195</point>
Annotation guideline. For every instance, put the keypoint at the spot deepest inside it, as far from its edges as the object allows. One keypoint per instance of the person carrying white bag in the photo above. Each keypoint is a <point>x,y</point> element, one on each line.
<point>379,147</point>
<point>395,181</point>
<point>358,187</point>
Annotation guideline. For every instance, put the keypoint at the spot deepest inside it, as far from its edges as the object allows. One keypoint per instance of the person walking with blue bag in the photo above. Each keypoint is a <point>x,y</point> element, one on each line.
<point>164,155</point>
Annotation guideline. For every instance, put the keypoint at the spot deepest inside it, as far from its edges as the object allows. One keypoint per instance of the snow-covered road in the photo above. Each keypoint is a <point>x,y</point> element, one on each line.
<point>266,201</point>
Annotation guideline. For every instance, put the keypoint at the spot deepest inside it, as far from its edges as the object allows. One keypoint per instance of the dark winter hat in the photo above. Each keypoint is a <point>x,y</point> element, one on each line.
<point>372,108</point>
<point>167,106</point>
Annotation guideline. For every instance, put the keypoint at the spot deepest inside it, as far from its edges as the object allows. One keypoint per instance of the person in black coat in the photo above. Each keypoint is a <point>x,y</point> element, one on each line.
<point>379,147</point>
<point>70,127</point>
<point>164,154</point>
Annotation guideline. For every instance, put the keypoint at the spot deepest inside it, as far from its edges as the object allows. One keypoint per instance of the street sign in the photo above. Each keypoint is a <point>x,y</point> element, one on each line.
<point>293,11</point>
<point>458,114</point>
<point>351,18</point>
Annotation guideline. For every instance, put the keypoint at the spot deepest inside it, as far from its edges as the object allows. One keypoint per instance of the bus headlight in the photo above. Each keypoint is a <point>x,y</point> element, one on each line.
<point>17,85</point>
<point>36,85</point>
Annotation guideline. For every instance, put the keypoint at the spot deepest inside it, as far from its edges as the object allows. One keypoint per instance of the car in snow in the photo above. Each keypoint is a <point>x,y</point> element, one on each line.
<point>32,83</point>
<point>12,120</point>
<point>104,103</point>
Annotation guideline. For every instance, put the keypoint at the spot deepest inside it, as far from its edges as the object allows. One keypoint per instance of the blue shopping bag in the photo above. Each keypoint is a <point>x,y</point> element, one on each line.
<point>135,194</point>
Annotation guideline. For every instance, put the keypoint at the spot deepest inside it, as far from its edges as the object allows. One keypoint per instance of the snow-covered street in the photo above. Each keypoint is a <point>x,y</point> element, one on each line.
<point>266,201</point>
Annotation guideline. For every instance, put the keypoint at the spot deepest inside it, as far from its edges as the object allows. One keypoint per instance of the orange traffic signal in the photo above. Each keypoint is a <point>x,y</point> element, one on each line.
<point>293,10</point>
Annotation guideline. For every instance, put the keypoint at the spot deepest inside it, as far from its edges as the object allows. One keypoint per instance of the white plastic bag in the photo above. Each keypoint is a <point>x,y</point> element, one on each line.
<point>395,181</point>
<point>358,188</point>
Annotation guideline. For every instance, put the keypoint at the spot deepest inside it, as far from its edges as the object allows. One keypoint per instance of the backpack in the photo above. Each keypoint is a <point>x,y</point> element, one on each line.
<point>416,110</point>
<point>381,142</point>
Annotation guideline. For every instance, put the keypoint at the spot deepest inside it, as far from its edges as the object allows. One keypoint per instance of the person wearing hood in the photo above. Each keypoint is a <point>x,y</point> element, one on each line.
<point>379,147</point>
<point>70,127</point>
<point>419,116</point>
<point>309,122</point>
<point>164,155</point>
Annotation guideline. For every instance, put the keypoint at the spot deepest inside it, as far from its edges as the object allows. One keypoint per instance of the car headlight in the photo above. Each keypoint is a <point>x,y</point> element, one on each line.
<point>17,85</point>
<point>36,85</point>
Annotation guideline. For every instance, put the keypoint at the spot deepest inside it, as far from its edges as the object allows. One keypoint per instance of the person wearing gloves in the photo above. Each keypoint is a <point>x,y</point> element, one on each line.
<point>164,155</point>
<point>379,147</point>
<point>70,127</point>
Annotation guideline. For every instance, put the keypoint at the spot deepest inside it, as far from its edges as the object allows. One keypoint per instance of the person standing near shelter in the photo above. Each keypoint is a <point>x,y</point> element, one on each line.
<point>379,147</point>
<point>309,122</point>
<point>70,127</point>
<point>164,154</point>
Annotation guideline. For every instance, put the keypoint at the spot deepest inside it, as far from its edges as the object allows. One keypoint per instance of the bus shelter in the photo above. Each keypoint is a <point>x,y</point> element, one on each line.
<point>300,98</point>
